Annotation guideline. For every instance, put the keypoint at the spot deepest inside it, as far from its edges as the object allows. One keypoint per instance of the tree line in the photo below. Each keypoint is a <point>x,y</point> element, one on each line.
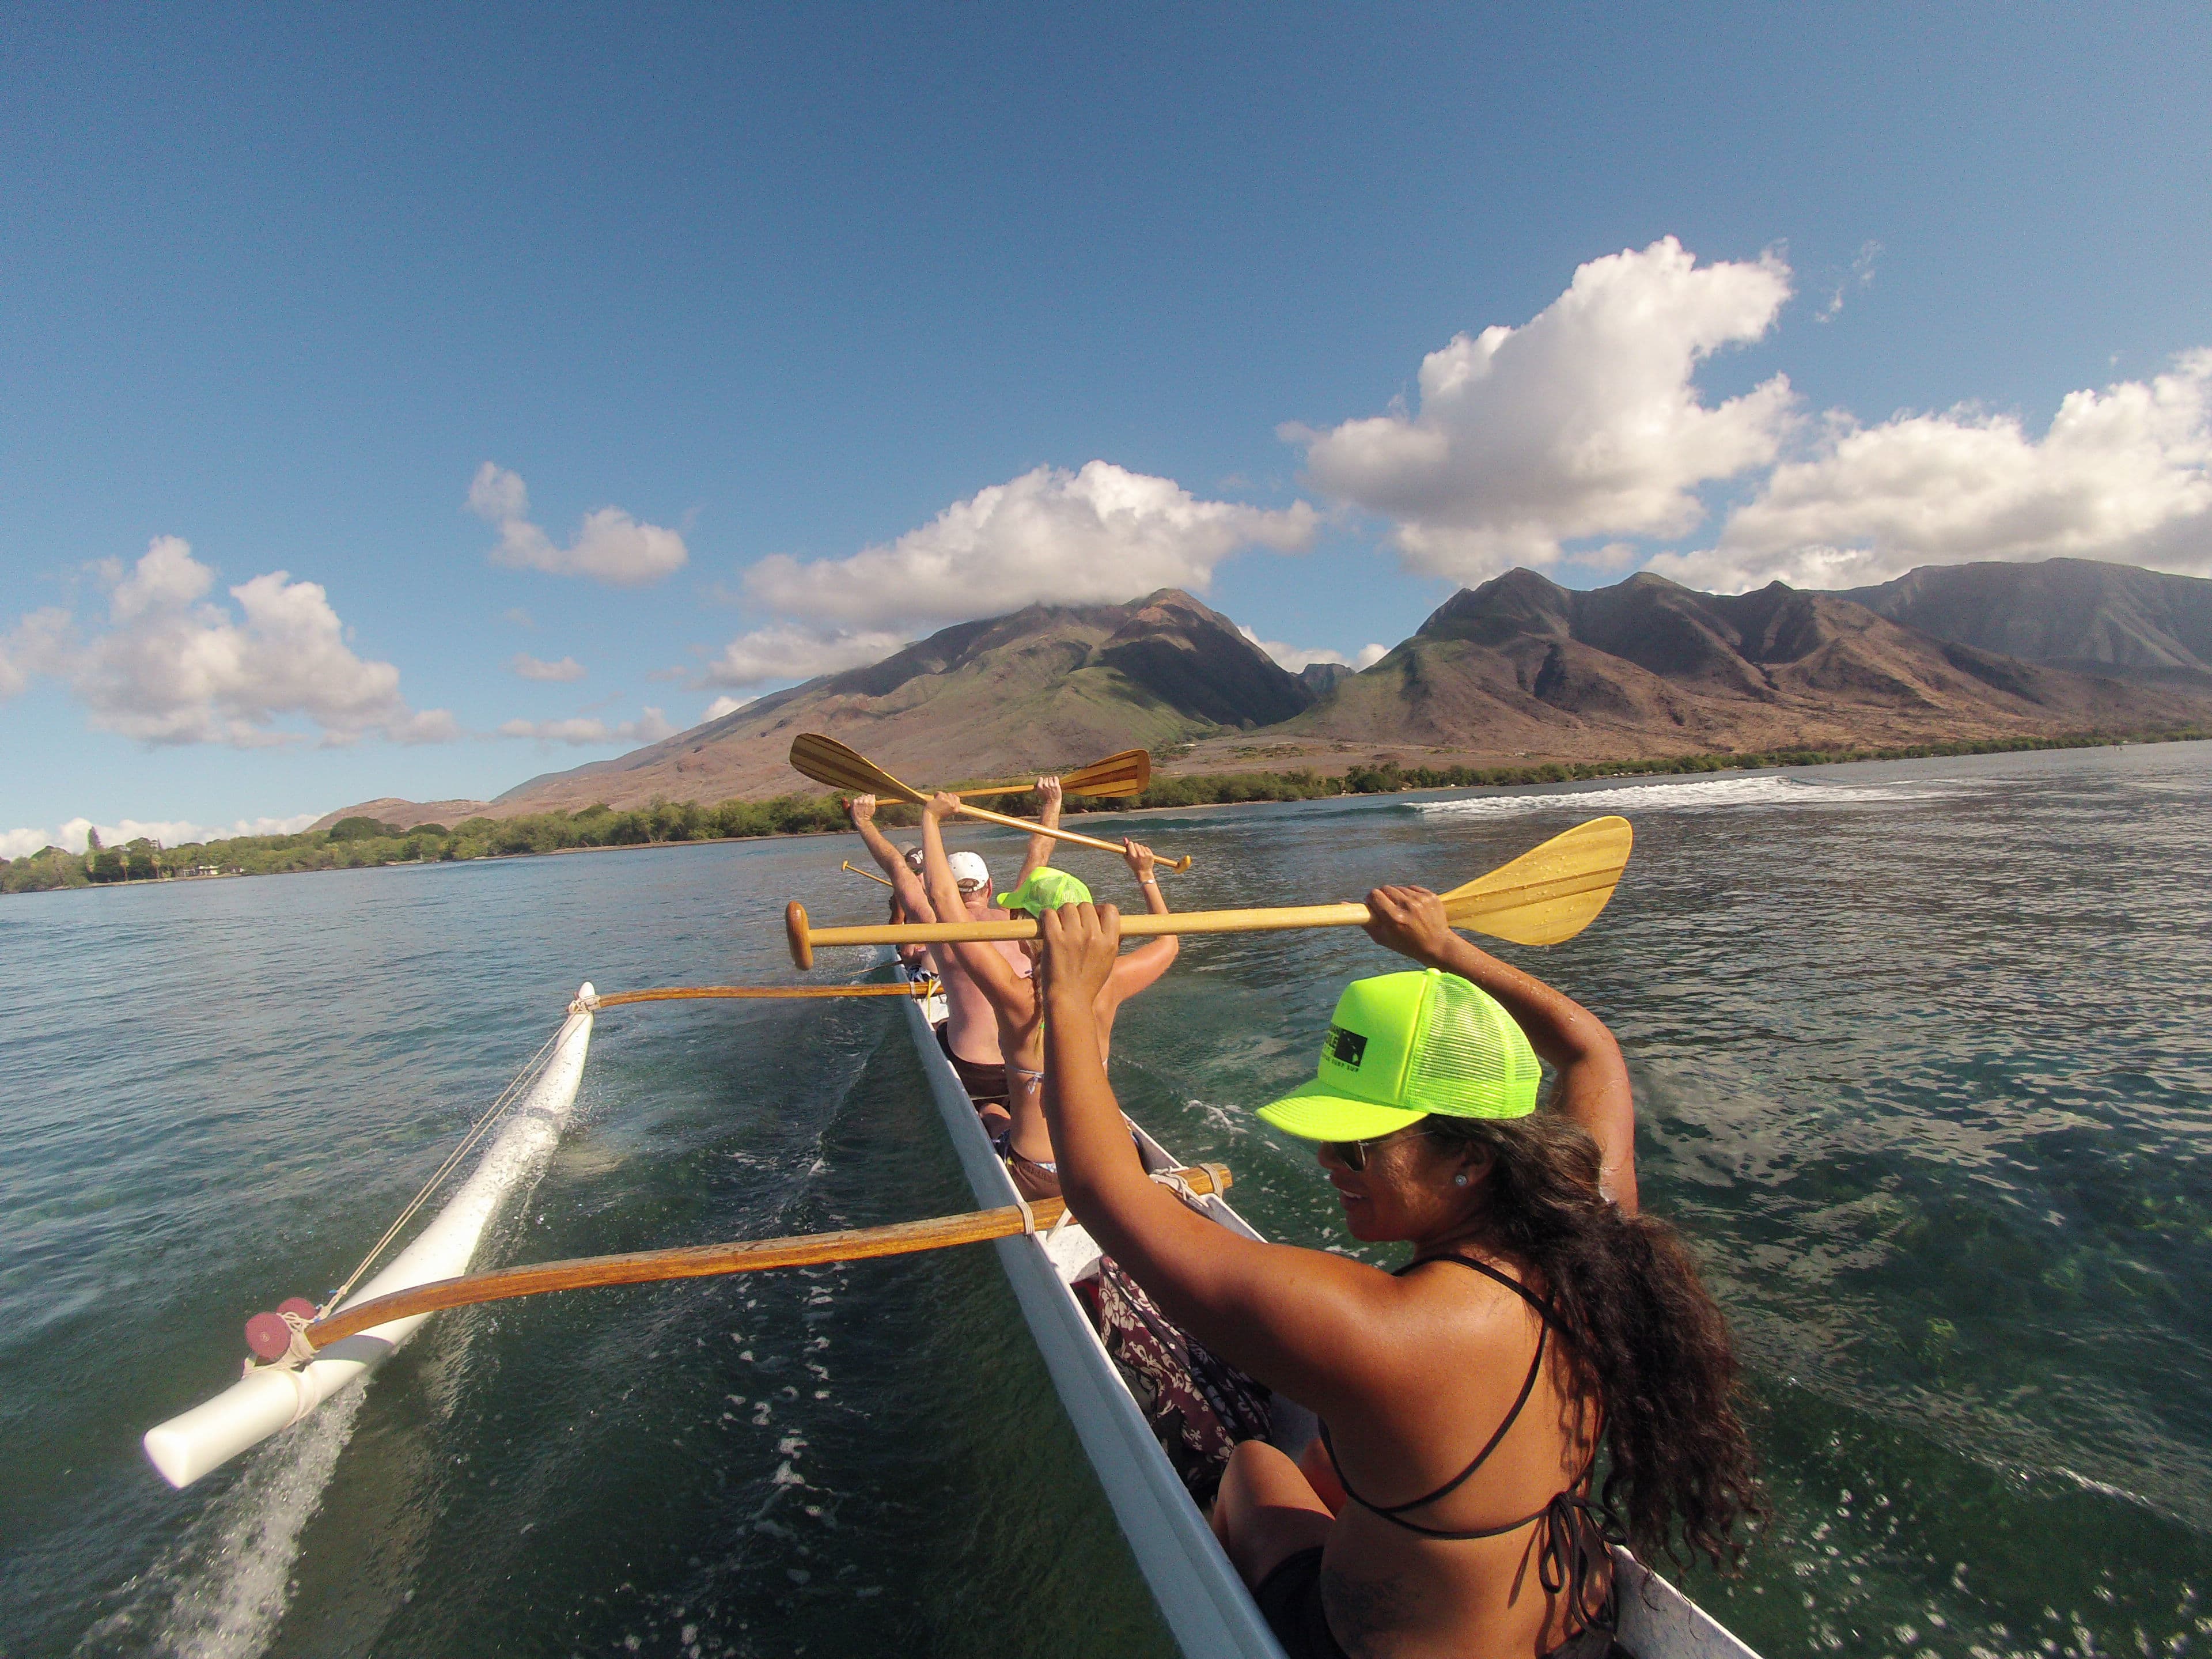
<point>358,844</point>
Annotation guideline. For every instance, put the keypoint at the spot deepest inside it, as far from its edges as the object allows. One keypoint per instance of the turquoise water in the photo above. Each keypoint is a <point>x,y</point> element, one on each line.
<point>1924,1069</point>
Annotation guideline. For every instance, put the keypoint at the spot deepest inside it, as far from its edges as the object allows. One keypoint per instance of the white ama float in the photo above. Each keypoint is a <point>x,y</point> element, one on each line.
<point>273,1397</point>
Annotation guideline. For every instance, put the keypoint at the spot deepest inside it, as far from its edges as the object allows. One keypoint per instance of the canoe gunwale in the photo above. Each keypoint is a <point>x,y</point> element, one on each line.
<point>1200,1598</point>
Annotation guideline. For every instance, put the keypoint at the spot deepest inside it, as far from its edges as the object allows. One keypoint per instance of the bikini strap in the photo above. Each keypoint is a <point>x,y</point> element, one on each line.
<point>1544,1310</point>
<point>1395,1511</point>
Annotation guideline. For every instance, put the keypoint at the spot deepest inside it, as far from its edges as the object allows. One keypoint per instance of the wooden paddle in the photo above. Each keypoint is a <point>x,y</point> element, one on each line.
<point>1125,774</point>
<point>707,1260</point>
<point>826,759</point>
<point>870,874</point>
<point>741,993</point>
<point>1549,894</point>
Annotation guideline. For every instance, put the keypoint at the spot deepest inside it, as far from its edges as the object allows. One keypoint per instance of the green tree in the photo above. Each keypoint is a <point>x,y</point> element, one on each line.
<point>363,828</point>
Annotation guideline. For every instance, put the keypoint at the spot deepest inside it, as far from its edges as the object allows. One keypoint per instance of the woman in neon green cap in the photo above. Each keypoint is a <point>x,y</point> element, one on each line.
<point>1448,1508</point>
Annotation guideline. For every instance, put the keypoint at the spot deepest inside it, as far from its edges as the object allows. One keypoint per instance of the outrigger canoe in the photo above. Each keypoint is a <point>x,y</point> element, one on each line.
<point>1200,1595</point>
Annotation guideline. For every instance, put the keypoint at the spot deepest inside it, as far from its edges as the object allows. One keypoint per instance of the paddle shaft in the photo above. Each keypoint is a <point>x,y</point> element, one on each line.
<point>1034,829</point>
<point>748,992</point>
<point>1550,893</point>
<point>710,1260</point>
<point>870,874</point>
<point>1125,774</point>
<point>827,761</point>
<point>1137,925</point>
<point>1025,825</point>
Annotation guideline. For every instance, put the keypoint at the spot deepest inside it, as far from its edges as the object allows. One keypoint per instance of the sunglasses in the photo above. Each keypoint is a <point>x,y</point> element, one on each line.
<point>1352,1154</point>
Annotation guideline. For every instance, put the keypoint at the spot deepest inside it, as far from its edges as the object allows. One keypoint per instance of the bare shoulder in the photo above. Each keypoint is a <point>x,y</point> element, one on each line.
<point>1452,1320</point>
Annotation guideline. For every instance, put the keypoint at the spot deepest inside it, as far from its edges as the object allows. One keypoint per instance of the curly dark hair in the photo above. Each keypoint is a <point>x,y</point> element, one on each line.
<point>1647,1338</point>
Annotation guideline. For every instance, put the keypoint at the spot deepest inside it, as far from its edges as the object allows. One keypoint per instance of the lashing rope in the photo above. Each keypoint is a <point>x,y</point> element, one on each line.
<point>531,1068</point>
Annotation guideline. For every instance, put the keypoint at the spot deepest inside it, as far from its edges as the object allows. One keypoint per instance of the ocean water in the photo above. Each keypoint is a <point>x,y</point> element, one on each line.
<point>1923,1060</point>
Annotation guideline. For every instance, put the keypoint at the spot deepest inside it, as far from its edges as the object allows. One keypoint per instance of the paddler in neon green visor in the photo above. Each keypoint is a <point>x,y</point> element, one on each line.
<point>1449,1504</point>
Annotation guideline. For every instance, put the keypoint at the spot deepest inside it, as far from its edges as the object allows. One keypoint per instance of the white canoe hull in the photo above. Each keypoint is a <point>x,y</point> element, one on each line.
<point>271,1399</point>
<point>1199,1594</point>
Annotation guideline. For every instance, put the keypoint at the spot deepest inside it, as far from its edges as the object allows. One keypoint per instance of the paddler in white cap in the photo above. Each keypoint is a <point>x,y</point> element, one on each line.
<point>969,1033</point>
<point>1026,1144</point>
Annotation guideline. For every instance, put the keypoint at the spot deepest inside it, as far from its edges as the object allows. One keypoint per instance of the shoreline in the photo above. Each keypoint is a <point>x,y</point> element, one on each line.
<point>1395,780</point>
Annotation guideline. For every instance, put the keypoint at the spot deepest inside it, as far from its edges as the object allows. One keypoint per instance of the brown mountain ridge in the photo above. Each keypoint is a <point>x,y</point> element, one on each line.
<point>1518,669</point>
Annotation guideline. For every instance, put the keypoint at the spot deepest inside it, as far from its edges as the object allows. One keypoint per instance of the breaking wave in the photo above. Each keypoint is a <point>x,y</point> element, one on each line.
<point>1704,795</point>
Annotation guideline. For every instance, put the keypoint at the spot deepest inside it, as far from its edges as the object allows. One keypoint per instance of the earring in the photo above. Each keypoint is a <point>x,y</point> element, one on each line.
<point>1458,1179</point>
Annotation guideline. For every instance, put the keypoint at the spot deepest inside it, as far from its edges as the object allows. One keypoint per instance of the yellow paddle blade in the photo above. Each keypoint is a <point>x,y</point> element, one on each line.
<point>826,759</point>
<point>1551,892</point>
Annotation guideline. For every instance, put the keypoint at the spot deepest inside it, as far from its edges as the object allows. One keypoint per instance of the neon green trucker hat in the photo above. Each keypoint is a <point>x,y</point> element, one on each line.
<point>1401,1046</point>
<point>1046,889</point>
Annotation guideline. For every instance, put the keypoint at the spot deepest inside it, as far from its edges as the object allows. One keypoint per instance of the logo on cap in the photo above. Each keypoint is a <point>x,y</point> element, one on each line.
<point>1347,1048</point>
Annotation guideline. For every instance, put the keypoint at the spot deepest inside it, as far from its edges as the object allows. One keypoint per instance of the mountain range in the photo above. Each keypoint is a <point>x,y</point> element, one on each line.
<point>1518,669</point>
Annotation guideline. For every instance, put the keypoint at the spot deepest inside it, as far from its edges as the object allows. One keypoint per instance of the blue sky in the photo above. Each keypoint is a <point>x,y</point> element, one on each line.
<point>762,338</point>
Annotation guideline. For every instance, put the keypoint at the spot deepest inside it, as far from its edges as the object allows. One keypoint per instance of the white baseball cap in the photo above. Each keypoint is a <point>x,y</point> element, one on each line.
<point>969,867</point>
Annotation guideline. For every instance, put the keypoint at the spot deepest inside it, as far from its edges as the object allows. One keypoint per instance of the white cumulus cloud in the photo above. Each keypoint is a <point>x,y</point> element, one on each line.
<point>1582,422</point>
<point>1101,535</point>
<point>789,651</point>
<point>583,732</point>
<point>169,832</point>
<point>610,546</point>
<point>172,667</point>
<point>722,706</point>
<point>2124,474</point>
<point>1294,658</point>
<point>537,668</point>
<point>38,644</point>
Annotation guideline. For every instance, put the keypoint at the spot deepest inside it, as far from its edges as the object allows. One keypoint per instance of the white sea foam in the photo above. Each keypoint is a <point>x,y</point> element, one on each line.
<point>1704,795</point>
<point>220,1591</point>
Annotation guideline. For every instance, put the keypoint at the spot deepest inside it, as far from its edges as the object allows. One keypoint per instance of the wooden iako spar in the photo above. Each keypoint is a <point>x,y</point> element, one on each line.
<point>707,1260</point>
<point>826,759</point>
<point>746,992</point>
<point>1547,894</point>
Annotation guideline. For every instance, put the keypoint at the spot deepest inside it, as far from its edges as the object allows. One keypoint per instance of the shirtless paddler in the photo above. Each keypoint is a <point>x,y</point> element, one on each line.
<point>1027,1144</point>
<point>969,1033</point>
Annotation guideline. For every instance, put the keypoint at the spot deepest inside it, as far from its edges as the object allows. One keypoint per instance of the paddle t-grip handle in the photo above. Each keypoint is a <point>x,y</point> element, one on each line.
<point>795,933</point>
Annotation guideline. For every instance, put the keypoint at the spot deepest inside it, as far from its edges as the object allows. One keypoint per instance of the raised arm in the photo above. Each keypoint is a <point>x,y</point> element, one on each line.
<point>1301,1320</point>
<point>982,963</point>
<point>1145,964</point>
<point>1038,853</point>
<point>1594,1090</point>
<point>905,886</point>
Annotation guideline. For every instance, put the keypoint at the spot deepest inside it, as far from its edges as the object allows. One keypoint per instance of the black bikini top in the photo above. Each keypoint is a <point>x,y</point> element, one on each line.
<point>1565,1556</point>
